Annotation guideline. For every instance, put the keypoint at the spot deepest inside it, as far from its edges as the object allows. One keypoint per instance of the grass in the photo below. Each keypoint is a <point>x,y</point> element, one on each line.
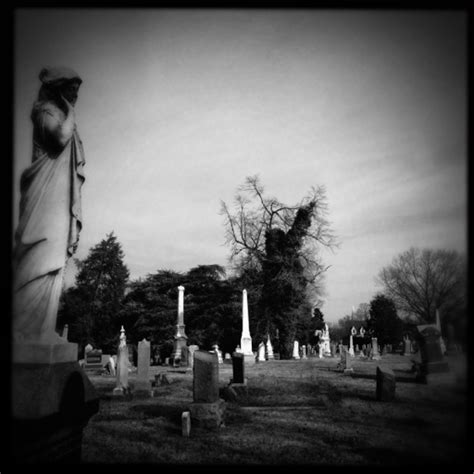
<point>297,412</point>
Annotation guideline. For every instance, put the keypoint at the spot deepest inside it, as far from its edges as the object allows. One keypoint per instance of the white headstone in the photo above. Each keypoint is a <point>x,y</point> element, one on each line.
<point>303,352</point>
<point>296,350</point>
<point>269,349</point>
<point>261,352</point>
<point>245,340</point>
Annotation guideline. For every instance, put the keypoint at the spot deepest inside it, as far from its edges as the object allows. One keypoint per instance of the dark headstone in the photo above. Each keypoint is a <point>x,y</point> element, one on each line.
<point>385,390</point>
<point>205,377</point>
<point>238,365</point>
<point>432,359</point>
<point>93,360</point>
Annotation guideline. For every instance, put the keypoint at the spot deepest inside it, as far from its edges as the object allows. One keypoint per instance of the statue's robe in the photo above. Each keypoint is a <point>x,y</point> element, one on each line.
<point>48,229</point>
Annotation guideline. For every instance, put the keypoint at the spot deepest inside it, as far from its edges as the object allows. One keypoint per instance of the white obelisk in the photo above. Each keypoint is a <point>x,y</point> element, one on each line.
<point>245,339</point>
<point>180,337</point>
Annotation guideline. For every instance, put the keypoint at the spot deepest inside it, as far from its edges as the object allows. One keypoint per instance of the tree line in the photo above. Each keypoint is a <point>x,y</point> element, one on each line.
<point>275,256</point>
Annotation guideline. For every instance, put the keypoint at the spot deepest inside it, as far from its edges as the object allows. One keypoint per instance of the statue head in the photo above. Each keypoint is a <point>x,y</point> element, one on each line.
<point>59,82</point>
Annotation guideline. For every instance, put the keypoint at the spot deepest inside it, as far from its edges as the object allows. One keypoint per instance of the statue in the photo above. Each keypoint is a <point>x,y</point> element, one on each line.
<point>50,209</point>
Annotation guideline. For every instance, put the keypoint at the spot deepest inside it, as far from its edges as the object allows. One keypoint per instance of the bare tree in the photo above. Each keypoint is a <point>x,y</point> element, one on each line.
<point>421,281</point>
<point>254,215</point>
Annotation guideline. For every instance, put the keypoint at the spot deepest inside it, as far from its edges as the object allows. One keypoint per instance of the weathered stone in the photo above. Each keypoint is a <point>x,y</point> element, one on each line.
<point>142,384</point>
<point>205,377</point>
<point>385,390</point>
<point>191,350</point>
<point>432,358</point>
<point>186,424</point>
<point>208,415</point>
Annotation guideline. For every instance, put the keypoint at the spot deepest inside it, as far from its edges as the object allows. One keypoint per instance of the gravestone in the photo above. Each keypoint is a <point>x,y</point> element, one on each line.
<point>191,350</point>
<point>180,337</point>
<point>346,360</point>
<point>407,346</point>
<point>205,377</point>
<point>303,352</point>
<point>261,352</point>
<point>238,368</point>
<point>111,366</point>
<point>269,349</point>
<point>143,384</point>
<point>432,359</point>
<point>216,349</point>
<point>246,339</point>
<point>93,360</point>
<point>207,409</point>
<point>375,349</point>
<point>296,351</point>
<point>186,424</point>
<point>385,390</point>
<point>122,366</point>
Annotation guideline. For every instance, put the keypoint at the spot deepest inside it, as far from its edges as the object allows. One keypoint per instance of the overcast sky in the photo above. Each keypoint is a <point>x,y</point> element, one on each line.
<point>178,107</point>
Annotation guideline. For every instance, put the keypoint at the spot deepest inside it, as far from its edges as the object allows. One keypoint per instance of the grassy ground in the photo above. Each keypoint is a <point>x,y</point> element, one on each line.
<point>298,412</point>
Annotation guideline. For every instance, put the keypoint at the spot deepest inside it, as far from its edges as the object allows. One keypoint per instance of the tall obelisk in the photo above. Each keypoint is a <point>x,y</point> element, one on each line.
<point>180,337</point>
<point>245,339</point>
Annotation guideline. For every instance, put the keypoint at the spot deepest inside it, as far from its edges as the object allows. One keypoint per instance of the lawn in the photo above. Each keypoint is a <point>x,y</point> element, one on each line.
<point>297,412</point>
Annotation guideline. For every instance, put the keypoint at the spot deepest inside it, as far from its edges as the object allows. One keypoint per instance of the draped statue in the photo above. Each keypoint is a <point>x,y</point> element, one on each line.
<point>50,208</point>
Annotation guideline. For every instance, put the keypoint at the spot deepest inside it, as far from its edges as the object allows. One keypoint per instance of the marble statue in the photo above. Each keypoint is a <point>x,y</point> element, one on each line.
<point>50,209</point>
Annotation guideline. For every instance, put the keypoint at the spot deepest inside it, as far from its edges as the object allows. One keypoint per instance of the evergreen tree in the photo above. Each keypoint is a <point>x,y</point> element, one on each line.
<point>91,308</point>
<point>384,322</point>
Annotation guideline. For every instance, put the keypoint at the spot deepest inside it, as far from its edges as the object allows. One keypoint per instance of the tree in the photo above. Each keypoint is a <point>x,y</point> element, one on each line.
<point>91,307</point>
<point>212,308</point>
<point>278,245</point>
<point>421,281</point>
<point>384,322</point>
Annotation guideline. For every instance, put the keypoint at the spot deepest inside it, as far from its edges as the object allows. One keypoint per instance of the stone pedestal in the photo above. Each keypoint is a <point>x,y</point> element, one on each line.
<point>52,402</point>
<point>209,416</point>
<point>207,410</point>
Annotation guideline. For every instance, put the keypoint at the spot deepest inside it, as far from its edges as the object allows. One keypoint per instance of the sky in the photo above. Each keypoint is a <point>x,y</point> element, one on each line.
<point>178,107</point>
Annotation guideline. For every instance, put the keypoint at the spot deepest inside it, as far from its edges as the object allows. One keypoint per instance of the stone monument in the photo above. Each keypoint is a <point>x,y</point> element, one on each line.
<point>432,359</point>
<point>326,341</point>
<point>303,352</point>
<point>143,384</point>
<point>207,409</point>
<point>245,339</point>
<point>351,341</point>
<point>269,349</point>
<point>296,351</point>
<point>52,397</point>
<point>375,349</point>
<point>180,337</point>
<point>261,352</point>
<point>123,363</point>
